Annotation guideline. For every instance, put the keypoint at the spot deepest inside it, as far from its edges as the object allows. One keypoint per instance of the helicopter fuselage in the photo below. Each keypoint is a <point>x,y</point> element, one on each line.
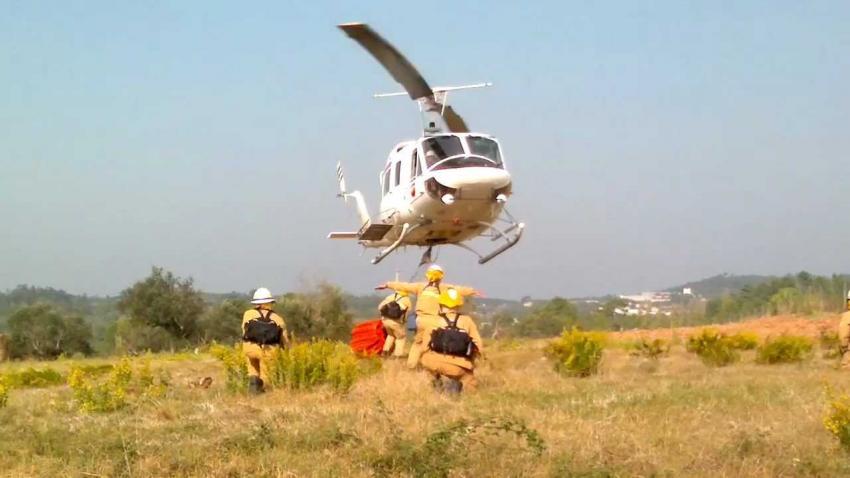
<point>452,186</point>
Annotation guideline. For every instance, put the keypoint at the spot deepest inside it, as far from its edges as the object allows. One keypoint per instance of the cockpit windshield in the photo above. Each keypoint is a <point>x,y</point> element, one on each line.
<point>447,152</point>
<point>441,147</point>
<point>486,147</point>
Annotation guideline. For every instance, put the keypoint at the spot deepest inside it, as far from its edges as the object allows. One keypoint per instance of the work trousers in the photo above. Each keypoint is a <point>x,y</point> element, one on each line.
<point>396,337</point>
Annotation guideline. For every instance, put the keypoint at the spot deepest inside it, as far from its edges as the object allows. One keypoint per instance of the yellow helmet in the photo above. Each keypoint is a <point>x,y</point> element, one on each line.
<point>434,273</point>
<point>451,298</point>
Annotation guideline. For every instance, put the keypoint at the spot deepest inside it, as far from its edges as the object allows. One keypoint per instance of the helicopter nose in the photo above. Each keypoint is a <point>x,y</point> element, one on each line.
<point>475,183</point>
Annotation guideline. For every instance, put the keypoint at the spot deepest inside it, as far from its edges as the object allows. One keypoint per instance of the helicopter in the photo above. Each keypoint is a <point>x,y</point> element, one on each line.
<point>448,187</point>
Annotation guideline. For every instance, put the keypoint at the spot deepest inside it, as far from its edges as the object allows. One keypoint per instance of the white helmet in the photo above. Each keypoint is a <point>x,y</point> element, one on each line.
<point>435,267</point>
<point>262,296</point>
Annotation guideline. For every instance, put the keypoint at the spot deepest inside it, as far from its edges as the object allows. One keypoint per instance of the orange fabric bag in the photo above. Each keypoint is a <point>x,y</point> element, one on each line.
<point>368,337</point>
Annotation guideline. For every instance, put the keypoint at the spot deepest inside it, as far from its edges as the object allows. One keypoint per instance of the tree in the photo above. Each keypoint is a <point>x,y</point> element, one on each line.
<point>163,301</point>
<point>549,320</point>
<point>321,313</point>
<point>41,331</point>
<point>223,323</point>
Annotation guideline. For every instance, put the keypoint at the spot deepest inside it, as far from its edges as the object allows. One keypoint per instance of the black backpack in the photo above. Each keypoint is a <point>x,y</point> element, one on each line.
<point>392,310</point>
<point>263,330</point>
<point>451,340</point>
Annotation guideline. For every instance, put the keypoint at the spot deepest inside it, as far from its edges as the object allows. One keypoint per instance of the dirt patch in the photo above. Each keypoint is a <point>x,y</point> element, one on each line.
<point>809,326</point>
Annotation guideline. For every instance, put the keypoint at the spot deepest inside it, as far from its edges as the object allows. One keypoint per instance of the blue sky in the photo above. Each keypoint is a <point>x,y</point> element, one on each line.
<point>651,142</point>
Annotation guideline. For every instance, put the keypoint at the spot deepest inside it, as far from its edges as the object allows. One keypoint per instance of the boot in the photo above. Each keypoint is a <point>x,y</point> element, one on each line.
<point>255,385</point>
<point>453,387</point>
<point>437,383</point>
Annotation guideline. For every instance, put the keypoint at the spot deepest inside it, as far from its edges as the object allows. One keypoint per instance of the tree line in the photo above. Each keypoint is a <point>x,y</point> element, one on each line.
<point>161,312</point>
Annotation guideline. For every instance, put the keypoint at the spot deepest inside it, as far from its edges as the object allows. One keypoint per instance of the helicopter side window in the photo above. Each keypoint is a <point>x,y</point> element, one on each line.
<point>397,173</point>
<point>386,181</point>
<point>415,168</point>
<point>441,147</point>
<point>485,147</point>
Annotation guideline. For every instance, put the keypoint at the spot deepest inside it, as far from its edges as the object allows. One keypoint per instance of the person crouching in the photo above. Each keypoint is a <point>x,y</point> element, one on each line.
<point>393,312</point>
<point>263,332</point>
<point>451,343</point>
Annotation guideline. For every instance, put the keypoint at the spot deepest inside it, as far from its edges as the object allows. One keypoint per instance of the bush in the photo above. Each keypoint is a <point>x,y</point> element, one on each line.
<point>105,396</point>
<point>784,349</point>
<point>31,378</point>
<point>837,418</point>
<point>830,344</point>
<point>320,362</point>
<point>651,349</point>
<point>235,366</point>
<point>114,393</point>
<point>713,348</point>
<point>744,341</point>
<point>4,396</point>
<point>42,331</point>
<point>577,353</point>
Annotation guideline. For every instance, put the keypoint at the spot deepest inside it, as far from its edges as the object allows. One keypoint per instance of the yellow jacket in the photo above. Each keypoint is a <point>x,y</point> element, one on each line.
<point>428,295</point>
<point>403,301</point>
<point>252,314</point>
<point>427,324</point>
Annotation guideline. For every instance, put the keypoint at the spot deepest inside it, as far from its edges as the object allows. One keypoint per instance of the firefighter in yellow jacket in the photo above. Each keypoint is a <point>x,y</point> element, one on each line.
<point>394,319</point>
<point>450,344</point>
<point>844,335</point>
<point>263,332</point>
<point>427,299</point>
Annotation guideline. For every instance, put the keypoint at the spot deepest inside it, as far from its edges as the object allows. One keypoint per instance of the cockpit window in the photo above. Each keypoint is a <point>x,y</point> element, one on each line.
<point>486,147</point>
<point>441,147</point>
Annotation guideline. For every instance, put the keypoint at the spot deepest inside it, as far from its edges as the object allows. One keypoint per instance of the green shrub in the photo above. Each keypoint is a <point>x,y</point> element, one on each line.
<point>4,395</point>
<point>651,349</point>
<point>830,344</point>
<point>744,341</point>
<point>119,387</point>
<point>235,366</point>
<point>32,378</point>
<point>105,396</point>
<point>713,348</point>
<point>577,353</point>
<point>784,349</point>
<point>837,418</point>
<point>320,362</point>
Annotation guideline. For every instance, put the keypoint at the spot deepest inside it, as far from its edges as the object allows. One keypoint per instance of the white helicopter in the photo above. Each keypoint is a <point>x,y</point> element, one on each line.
<point>447,187</point>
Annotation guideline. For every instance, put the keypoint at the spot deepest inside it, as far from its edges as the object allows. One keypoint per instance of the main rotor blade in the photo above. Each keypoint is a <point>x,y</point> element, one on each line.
<point>395,63</point>
<point>454,121</point>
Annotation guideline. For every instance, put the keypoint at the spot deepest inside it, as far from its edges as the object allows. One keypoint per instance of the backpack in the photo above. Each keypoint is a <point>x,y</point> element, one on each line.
<point>263,330</point>
<point>451,340</point>
<point>392,310</point>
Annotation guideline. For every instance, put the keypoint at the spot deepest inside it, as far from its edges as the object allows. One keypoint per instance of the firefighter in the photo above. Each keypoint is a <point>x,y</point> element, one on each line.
<point>427,299</point>
<point>263,332</point>
<point>844,335</point>
<point>450,344</point>
<point>393,310</point>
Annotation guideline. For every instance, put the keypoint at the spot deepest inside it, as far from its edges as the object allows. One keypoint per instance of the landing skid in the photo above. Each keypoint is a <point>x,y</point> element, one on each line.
<point>405,230</point>
<point>511,235</point>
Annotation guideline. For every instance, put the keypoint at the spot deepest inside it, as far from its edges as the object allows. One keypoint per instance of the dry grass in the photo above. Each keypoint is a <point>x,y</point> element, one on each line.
<point>639,417</point>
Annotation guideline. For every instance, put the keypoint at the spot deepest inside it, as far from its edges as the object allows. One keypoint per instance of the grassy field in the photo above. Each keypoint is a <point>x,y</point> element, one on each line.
<point>673,417</point>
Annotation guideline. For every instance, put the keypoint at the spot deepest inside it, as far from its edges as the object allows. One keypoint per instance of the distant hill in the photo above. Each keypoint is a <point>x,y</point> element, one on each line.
<point>721,284</point>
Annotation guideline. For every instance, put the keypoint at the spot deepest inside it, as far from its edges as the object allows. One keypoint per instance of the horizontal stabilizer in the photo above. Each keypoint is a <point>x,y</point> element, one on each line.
<point>343,235</point>
<point>375,232</point>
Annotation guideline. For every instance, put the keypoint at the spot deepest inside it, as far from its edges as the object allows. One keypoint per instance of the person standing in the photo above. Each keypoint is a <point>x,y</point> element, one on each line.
<point>263,332</point>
